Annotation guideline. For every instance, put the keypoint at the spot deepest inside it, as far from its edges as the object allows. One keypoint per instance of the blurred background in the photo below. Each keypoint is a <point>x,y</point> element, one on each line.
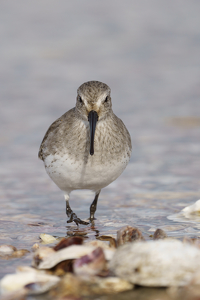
<point>148,52</point>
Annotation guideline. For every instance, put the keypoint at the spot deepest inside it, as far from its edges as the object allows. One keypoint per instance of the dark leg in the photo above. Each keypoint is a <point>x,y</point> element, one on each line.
<point>93,206</point>
<point>72,216</point>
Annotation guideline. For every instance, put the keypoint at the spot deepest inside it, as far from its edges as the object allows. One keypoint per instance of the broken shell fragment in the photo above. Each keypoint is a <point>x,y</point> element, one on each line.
<point>20,253</point>
<point>7,249</point>
<point>90,264</point>
<point>110,239</point>
<point>128,234</point>
<point>62,268</point>
<point>47,238</point>
<point>41,254</point>
<point>156,263</point>
<point>192,241</point>
<point>192,209</point>
<point>159,234</point>
<point>52,258</point>
<point>38,282</point>
<point>97,243</point>
<point>9,252</point>
<point>35,247</point>
<point>40,287</point>
<point>75,240</point>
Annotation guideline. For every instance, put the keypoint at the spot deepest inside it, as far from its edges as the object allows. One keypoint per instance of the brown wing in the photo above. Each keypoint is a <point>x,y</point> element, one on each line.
<point>64,122</point>
<point>53,126</point>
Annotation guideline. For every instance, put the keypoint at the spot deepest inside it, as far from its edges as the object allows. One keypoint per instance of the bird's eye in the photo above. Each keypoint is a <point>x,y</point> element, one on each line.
<point>80,100</point>
<point>106,100</point>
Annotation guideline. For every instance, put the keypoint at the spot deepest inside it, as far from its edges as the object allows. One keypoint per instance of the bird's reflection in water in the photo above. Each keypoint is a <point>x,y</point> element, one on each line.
<point>86,232</point>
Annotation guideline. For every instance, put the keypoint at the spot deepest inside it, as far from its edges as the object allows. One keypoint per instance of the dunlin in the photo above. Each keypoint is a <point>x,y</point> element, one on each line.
<point>88,147</point>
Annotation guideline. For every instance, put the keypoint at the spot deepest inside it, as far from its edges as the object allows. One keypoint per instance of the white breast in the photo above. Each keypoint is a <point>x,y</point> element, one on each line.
<point>71,175</point>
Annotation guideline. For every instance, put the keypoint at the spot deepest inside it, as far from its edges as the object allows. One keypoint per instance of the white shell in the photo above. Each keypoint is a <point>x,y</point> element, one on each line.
<point>157,263</point>
<point>7,249</point>
<point>71,252</point>
<point>14,282</point>
<point>191,209</point>
<point>91,264</point>
<point>47,238</point>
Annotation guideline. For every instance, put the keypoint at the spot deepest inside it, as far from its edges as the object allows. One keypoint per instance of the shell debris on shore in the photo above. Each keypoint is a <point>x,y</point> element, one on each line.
<point>74,267</point>
<point>161,263</point>
<point>28,279</point>
<point>8,252</point>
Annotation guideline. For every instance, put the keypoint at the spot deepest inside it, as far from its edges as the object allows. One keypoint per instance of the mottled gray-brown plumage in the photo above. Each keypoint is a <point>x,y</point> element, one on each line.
<point>65,148</point>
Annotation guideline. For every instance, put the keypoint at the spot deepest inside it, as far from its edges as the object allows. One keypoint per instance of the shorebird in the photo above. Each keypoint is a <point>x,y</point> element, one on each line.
<point>86,148</point>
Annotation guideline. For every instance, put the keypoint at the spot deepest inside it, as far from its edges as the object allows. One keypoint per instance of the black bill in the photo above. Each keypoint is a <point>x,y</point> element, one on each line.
<point>92,118</point>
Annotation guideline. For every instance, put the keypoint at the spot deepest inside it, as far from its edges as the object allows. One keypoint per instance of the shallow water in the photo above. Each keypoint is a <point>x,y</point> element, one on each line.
<point>150,58</point>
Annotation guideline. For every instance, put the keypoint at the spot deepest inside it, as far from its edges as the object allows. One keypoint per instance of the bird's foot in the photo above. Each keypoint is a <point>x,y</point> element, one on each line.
<point>74,218</point>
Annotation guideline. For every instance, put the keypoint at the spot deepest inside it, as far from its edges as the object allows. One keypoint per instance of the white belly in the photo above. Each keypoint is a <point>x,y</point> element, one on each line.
<point>71,175</point>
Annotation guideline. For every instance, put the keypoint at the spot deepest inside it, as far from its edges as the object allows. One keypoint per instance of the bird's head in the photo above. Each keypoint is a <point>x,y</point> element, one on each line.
<point>93,104</point>
<point>93,96</point>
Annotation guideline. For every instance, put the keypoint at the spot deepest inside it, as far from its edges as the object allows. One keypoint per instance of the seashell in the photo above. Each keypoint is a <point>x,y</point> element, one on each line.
<point>40,287</point>
<point>191,212</point>
<point>62,268</point>
<point>90,264</point>
<point>128,234</point>
<point>47,238</point>
<point>191,209</point>
<point>35,247</point>
<point>9,252</point>
<point>34,282</point>
<point>159,234</point>
<point>76,286</point>
<point>110,239</point>
<point>7,249</point>
<point>76,240</point>
<point>20,253</point>
<point>156,263</point>
<point>97,243</point>
<point>192,241</point>
<point>41,254</point>
<point>49,258</point>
